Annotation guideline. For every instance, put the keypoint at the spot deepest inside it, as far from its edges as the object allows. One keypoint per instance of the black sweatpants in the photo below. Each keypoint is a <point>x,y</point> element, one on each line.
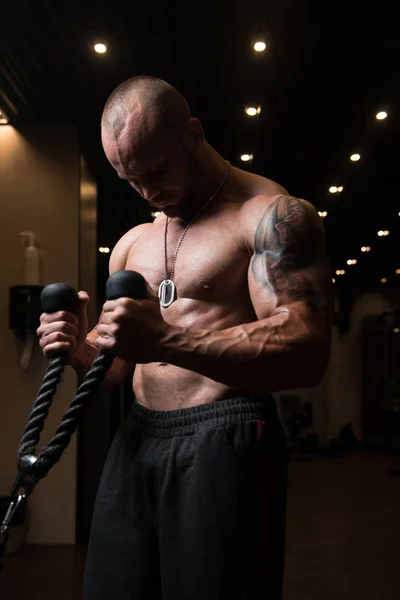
<point>191,506</point>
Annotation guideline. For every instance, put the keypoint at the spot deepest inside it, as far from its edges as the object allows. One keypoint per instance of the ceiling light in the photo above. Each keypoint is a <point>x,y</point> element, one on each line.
<point>396,330</point>
<point>100,48</point>
<point>397,271</point>
<point>355,157</point>
<point>104,250</point>
<point>340,189</point>
<point>333,280</point>
<point>252,111</point>
<point>246,157</point>
<point>352,261</point>
<point>366,249</point>
<point>323,214</point>
<point>260,46</point>
<point>340,272</point>
<point>383,280</point>
<point>381,115</point>
<point>333,189</point>
<point>383,233</point>
<point>155,214</point>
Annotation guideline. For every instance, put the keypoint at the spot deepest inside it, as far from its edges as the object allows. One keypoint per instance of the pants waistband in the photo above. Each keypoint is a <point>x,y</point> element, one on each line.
<point>186,421</point>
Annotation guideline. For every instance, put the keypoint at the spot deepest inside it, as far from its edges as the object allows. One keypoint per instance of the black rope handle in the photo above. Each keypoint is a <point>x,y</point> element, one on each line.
<point>43,402</point>
<point>52,453</point>
<point>33,468</point>
<point>55,297</point>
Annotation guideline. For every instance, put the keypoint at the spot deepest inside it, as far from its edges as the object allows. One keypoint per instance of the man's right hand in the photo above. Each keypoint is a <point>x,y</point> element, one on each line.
<point>64,331</point>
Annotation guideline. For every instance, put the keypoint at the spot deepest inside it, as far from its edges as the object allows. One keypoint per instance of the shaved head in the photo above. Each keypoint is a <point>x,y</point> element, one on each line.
<point>145,105</point>
<point>152,141</point>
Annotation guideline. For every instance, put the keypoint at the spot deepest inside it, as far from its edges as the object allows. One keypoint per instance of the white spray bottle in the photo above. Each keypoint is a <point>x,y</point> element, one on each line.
<point>32,276</point>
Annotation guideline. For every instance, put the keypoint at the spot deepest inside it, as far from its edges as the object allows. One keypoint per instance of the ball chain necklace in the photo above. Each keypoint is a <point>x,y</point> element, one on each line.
<point>167,289</point>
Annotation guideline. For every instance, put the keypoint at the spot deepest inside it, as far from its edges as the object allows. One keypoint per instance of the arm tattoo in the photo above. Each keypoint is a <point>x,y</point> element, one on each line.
<point>289,253</point>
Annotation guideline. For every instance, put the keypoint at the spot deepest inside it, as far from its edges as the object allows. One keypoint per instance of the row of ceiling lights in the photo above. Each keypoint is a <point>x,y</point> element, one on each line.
<point>353,261</point>
<point>380,116</point>
<point>355,157</point>
<point>252,111</point>
<point>101,47</point>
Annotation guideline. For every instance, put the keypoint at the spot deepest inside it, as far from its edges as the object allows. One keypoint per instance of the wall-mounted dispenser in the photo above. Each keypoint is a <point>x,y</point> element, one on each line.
<point>24,300</point>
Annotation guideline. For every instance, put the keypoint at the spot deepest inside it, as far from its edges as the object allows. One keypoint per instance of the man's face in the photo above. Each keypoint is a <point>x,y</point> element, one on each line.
<point>161,170</point>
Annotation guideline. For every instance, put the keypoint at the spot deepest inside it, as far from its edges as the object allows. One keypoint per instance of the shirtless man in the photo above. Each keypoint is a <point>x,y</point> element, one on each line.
<point>191,505</point>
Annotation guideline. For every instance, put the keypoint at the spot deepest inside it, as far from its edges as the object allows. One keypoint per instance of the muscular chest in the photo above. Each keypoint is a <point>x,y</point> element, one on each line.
<point>211,264</point>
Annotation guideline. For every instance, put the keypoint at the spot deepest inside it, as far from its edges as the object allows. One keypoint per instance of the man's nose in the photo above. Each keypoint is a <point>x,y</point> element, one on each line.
<point>148,193</point>
<point>143,189</point>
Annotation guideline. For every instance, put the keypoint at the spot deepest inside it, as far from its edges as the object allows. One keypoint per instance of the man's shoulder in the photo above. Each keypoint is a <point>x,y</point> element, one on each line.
<point>264,211</point>
<point>269,188</point>
<point>253,209</point>
<point>133,235</point>
<point>122,248</point>
<point>262,186</point>
<point>250,215</point>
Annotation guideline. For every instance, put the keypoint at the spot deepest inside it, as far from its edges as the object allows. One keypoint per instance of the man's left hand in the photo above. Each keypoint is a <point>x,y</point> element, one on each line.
<point>132,330</point>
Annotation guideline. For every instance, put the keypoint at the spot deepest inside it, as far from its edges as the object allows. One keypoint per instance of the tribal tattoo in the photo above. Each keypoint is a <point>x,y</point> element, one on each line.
<point>289,253</point>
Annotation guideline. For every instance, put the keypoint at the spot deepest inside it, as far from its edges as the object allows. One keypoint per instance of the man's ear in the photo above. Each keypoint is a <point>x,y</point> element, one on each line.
<point>193,135</point>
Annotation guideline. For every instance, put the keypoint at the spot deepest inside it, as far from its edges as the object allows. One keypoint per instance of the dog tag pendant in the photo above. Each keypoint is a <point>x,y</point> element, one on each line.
<point>166,292</point>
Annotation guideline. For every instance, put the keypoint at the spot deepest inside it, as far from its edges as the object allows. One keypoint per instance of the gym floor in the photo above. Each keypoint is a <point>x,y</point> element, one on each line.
<point>343,538</point>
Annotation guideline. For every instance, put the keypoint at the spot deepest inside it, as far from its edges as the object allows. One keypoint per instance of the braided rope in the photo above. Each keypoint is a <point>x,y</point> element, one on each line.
<point>44,399</point>
<point>55,448</point>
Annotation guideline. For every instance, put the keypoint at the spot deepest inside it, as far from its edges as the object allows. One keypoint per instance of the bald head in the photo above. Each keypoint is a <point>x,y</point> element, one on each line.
<point>151,140</point>
<point>146,106</point>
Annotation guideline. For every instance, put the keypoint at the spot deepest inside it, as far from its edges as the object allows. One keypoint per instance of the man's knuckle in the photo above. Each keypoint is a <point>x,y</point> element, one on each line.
<point>119,314</point>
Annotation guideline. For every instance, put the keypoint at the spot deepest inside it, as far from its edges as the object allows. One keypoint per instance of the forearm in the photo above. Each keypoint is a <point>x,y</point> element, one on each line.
<point>267,355</point>
<point>83,360</point>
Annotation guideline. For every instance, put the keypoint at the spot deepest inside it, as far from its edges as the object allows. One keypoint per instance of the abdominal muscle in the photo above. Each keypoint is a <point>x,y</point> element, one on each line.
<point>161,386</point>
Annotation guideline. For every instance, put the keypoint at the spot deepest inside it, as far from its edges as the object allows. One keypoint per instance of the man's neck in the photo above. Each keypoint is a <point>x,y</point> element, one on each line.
<point>211,171</point>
